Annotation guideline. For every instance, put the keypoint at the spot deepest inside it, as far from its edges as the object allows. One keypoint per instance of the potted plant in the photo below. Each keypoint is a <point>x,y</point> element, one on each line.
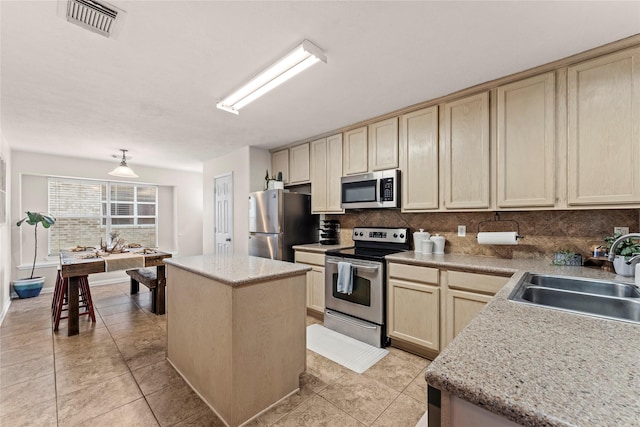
<point>31,287</point>
<point>625,250</point>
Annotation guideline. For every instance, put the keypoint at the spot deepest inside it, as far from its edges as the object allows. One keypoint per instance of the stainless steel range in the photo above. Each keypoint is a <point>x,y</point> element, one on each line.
<point>355,283</point>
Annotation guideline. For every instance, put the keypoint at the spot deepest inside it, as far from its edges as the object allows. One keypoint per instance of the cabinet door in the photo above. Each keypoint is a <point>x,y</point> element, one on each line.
<point>334,173</point>
<point>319,175</point>
<point>299,164</point>
<point>465,154</point>
<point>419,159</point>
<point>461,308</point>
<point>280,163</point>
<point>413,313</point>
<point>604,130</point>
<point>355,151</point>
<point>383,145</point>
<point>525,140</point>
<point>315,289</point>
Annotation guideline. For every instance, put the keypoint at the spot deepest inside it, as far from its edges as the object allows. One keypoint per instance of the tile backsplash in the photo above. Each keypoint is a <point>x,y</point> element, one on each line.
<point>544,232</point>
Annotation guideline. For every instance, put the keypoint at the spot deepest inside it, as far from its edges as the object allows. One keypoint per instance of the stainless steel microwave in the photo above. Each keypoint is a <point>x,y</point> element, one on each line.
<point>379,189</point>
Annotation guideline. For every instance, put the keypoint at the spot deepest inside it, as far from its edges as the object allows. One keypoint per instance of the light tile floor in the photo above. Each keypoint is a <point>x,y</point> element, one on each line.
<point>115,374</point>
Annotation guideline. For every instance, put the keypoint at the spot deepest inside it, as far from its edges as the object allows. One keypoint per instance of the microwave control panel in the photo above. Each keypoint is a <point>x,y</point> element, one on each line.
<point>386,190</point>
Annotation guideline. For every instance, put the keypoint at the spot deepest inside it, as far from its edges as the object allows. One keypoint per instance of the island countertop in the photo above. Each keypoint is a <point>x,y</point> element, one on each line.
<point>538,366</point>
<point>236,270</point>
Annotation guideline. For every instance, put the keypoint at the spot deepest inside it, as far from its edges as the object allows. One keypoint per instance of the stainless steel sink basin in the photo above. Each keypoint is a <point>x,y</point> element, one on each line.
<point>612,300</point>
<point>598,287</point>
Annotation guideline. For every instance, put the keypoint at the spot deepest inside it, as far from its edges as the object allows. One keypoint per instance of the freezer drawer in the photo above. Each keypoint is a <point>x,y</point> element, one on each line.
<point>266,245</point>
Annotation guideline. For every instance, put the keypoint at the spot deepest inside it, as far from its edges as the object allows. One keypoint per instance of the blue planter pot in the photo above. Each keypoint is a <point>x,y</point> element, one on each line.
<point>28,288</point>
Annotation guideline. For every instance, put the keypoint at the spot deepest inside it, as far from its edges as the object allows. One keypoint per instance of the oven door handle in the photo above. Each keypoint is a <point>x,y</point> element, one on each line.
<point>359,267</point>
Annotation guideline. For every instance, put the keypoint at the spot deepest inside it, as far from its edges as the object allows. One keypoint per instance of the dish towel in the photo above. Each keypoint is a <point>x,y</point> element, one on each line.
<point>345,278</point>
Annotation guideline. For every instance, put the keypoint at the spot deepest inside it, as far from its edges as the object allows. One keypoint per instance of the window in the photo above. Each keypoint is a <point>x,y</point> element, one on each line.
<point>91,212</point>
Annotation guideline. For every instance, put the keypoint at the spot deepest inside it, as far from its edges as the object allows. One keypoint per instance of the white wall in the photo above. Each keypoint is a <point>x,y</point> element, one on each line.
<point>5,238</point>
<point>181,229</point>
<point>248,165</point>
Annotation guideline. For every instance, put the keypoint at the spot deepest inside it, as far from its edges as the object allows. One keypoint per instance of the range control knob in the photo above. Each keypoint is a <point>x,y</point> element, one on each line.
<point>402,236</point>
<point>361,233</point>
<point>395,235</point>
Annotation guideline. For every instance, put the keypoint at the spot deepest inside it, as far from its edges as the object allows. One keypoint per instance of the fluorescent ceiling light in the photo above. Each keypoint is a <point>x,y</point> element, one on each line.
<point>123,170</point>
<point>301,58</point>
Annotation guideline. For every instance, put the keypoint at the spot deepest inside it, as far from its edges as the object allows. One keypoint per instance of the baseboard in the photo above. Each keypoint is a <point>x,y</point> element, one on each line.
<point>5,310</point>
<point>413,348</point>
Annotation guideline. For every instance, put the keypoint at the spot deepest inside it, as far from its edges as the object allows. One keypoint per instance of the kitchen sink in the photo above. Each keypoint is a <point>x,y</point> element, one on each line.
<point>611,300</point>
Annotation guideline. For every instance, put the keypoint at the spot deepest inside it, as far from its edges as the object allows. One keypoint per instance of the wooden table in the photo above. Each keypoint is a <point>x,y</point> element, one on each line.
<point>75,266</point>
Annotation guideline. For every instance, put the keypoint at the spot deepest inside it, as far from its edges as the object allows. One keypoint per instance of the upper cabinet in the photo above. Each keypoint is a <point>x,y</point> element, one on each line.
<point>326,170</point>
<point>465,162</point>
<point>604,130</point>
<point>280,163</point>
<point>419,159</point>
<point>355,151</point>
<point>383,145</point>
<point>299,164</point>
<point>525,143</point>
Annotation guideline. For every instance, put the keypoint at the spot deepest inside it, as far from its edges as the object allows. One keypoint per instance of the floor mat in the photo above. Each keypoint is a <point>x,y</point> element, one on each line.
<point>348,352</point>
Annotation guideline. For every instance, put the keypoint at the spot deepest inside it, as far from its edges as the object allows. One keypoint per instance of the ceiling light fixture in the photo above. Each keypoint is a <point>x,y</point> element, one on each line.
<point>301,58</point>
<point>123,170</point>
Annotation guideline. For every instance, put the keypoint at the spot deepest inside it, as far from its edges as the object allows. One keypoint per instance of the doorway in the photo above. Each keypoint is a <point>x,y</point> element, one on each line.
<point>223,211</point>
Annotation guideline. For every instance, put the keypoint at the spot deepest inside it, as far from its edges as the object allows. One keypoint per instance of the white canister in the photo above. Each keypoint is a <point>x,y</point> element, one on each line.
<point>638,274</point>
<point>438,244</point>
<point>427,246</point>
<point>418,237</point>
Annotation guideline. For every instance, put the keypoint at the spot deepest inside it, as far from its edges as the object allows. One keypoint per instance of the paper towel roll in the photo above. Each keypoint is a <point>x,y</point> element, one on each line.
<point>498,238</point>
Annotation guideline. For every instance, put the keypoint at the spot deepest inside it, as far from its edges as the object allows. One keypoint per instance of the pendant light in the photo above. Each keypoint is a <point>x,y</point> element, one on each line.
<point>123,170</point>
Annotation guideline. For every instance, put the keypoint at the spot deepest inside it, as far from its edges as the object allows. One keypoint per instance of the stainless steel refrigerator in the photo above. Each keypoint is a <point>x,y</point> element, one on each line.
<point>279,220</point>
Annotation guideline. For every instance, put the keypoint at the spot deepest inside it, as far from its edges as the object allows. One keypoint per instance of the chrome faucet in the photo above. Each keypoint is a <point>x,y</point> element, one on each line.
<point>614,245</point>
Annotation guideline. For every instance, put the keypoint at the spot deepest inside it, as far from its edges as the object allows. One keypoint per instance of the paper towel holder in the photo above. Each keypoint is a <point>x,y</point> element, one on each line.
<point>496,218</point>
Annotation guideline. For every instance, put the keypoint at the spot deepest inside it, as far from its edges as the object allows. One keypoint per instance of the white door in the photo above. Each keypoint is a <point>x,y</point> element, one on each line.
<point>223,211</point>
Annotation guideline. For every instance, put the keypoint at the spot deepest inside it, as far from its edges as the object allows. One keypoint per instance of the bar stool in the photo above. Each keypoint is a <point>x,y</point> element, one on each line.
<point>60,301</point>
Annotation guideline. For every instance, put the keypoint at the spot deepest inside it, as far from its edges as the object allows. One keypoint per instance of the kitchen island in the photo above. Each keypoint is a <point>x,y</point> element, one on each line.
<point>534,366</point>
<point>236,330</point>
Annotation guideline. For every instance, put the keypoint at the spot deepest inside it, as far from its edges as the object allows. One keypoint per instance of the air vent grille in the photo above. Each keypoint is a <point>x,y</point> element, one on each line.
<point>92,16</point>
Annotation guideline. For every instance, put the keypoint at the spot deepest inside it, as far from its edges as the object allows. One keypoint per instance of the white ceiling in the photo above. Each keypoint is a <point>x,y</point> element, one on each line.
<point>153,89</point>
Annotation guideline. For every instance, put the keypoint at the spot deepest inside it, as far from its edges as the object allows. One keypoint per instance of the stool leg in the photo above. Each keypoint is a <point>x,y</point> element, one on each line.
<point>84,282</point>
<point>135,286</point>
<point>58,309</point>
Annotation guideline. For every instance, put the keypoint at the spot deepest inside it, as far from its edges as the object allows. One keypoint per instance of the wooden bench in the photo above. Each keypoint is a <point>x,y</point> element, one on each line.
<point>149,278</point>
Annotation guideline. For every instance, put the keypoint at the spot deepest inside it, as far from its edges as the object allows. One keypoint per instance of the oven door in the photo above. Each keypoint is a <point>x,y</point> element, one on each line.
<point>366,300</point>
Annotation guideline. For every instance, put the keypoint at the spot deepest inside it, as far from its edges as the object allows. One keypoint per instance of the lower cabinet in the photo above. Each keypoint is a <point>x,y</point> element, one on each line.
<point>315,280</point>
<point>315,289</point>
<point>465,296</point>
<point>428,307</point>
<point>413,305</point>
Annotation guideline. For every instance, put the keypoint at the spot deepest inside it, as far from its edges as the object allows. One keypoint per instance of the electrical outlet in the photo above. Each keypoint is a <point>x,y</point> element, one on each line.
<point>462,230</point>
<point>620,230</point>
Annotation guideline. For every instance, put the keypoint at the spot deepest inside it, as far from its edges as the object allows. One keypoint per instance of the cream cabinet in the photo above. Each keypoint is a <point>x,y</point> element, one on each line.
<point>465,161</point>
<point>418,148</point>
<point>604,130</point>
<point>525,142</point>
<point>280,163</point>
<point>315,280</point>
<point>413,305</point>
<point>383,145</point>
<point>465,295</point>
<point>299,164</point>
<point>355,154</point>
<point>326,170</point>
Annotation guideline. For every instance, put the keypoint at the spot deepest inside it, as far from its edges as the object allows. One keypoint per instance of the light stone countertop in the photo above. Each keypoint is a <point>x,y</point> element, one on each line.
<point>538,366</point>
<point>236,270</point>
<point>317,247</point>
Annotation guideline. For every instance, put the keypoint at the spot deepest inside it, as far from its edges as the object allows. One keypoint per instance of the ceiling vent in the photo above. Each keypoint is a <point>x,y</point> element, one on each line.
<point>101,18</point>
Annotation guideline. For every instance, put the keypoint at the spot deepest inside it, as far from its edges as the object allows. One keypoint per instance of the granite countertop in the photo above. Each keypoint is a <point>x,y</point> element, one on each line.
<point>236,270</point>
<point>538,366</point>
<point>317,247</point>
